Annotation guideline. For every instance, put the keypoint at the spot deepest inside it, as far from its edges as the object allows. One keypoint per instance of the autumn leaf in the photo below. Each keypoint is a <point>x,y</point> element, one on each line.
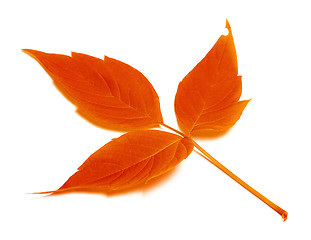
<point>207,99</point>
<point>129,160</point>
<point>108,92</point>
<point>118,96</point>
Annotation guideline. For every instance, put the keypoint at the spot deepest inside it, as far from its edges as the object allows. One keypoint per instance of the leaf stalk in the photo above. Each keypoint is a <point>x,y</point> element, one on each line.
<point>225,170</point>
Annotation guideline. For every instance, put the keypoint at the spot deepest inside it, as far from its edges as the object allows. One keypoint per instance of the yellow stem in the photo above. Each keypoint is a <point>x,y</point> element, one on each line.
<point>221,167</point>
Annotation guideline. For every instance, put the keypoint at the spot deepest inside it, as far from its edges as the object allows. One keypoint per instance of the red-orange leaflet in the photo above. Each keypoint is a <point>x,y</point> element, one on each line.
<point>207,99</point>
<point>132,159</point>
<point>108,92</point>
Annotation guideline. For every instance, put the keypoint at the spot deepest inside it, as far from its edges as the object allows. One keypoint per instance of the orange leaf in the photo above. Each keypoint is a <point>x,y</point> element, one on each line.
<point>129,160</point>
<point>207,98</point>
<point>118,96</point>
<point>107,92</point>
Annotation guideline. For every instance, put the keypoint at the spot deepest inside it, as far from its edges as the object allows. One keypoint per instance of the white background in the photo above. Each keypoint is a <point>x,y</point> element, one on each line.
<point>43,139</point>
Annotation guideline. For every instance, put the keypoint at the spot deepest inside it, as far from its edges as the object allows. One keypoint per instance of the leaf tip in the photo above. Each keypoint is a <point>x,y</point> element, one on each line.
<point>46,192</point>
<point>228,26</point>
<point>32,53</point>
<point>27,51</point>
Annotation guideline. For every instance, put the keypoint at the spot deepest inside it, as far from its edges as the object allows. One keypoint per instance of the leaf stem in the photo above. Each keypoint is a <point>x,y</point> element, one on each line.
<point>174,130</point>
<point>217,164</point>
<point>221,167</point>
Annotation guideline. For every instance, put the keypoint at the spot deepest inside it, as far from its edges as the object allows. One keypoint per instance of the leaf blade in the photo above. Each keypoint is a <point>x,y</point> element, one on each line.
<point>212,85</point>
<point>129,160</point>
<point>107,92</point>
<point>222,119</point>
